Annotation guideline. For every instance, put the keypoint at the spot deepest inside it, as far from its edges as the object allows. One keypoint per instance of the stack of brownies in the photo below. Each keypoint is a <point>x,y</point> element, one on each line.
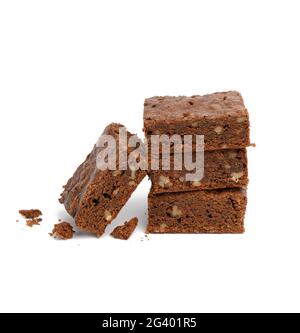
<point>217,202</point>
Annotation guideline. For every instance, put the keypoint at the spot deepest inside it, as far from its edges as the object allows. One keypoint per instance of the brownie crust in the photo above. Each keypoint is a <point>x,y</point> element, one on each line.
<point>222,169</point>
<point>94,197</point>
<point>215,211</point>
<point>221,117</point>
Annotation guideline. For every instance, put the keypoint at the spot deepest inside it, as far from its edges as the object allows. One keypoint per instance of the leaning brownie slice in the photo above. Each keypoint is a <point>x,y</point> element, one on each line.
<point>94,197</point>
<point>207,211</point>
<point>221,117</point>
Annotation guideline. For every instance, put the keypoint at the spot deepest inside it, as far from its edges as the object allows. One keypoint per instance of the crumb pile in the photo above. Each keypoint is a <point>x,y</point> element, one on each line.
<point>32,216</point>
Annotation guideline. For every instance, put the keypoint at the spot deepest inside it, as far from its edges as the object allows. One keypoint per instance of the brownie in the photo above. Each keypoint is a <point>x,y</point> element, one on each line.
<point>222,169</point>
<point>94,197</point>
<point>221,117</point>
<point>63,231</point>
<point>125,231</point>
<point>207,211</point>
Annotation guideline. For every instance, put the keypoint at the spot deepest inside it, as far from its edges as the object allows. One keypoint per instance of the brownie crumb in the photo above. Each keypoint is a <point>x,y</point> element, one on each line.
<point>30,213</point>
<point>17,220</point>
<point>125,231</point>
<point>63,231</point>
<point>34,221</point>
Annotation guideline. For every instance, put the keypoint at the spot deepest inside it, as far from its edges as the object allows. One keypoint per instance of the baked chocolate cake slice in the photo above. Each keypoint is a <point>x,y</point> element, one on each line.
<point>94,196</point>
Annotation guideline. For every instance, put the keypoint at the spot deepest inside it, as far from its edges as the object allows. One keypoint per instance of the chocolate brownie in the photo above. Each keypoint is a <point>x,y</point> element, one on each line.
<point>221,117</point>
<point>207,211</point>
<point>63,231</point>
<point>222,169</point>
<point>94,197</point>
<point>125,231</point>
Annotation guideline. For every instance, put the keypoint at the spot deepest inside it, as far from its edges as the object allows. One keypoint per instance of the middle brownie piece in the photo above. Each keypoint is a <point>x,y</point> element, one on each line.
<point>222,169</point>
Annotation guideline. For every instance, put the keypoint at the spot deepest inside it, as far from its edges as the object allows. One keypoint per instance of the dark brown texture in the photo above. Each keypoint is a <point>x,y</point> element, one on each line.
<point>210,211</point>
<point>221,117</point>
<point>94,197</point>
<point>125,231</point>
<point>30,213</point>
<point>62,231</point>
<point>222,169</point>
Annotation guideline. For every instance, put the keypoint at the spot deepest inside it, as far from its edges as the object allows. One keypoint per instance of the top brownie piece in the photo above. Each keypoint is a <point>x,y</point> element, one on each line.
<point>94,197</point>
<point>221,117</point>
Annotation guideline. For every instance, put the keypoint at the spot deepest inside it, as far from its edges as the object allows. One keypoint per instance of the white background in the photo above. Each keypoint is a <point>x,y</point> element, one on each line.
<point>67,69</point>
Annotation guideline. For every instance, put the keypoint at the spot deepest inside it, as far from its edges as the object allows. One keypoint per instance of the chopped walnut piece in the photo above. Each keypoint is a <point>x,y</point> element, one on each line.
<point>181,179</point>
<point>218,129</point>
<point>232,154</point>
<point>116,173</point>
<point>164,181</point>
<point>235,176</point>
<point>107,216</point>
<point>116,191</point>
<point>174,211</point>
<point>242,119</point>
<point>196,183</point>
<point>133,172</point>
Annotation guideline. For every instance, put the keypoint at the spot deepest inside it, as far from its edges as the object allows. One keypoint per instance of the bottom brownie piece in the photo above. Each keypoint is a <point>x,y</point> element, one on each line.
<point>207,211</point>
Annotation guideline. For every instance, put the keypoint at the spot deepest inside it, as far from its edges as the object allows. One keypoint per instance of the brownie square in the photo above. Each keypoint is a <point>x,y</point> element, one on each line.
<point>94,197</point>
<point>221,117</point>
<point>222,169</point>
<point>207,211</point>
